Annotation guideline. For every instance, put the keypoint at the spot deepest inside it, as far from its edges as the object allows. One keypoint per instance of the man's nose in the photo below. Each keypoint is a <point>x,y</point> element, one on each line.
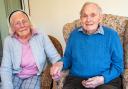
<point>88,18</point>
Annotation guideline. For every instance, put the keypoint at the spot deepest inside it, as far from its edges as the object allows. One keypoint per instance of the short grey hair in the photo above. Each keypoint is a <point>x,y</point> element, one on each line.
<point>89,3</point>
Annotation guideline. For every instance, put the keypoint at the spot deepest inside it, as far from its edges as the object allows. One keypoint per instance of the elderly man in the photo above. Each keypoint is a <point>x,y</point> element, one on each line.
<point>24,54</point>
<point>93,55</point>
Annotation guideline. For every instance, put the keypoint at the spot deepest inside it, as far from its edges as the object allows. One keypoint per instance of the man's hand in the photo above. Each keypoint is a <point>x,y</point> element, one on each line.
<point>93,82</point>
<point>55,70</point>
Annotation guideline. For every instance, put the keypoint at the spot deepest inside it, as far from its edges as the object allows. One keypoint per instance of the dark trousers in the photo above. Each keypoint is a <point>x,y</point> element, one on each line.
<point>75,83</point>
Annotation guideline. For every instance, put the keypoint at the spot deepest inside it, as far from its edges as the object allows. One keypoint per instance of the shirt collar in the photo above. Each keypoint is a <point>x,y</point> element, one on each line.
<point>99,30</point>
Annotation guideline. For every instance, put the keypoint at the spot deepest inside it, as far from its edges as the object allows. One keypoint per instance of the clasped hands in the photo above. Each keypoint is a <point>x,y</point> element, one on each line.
<point>55,71</point>
<point>93,82</point>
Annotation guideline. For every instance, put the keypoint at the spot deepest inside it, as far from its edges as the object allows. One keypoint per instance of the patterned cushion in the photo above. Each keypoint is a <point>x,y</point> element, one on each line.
<point>120,24</point>
<point>125,75</point>
<point>116,22</point>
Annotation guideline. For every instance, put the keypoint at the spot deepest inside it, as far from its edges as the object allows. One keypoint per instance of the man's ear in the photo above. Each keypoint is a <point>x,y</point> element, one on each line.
<point>80,20</point>
<point>100,18</point>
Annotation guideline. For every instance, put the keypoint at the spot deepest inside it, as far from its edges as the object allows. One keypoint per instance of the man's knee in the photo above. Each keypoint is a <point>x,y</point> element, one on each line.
<point>107,87</point>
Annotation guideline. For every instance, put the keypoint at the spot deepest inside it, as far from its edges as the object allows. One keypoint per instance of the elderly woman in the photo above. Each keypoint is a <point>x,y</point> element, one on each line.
<point>24,54</point>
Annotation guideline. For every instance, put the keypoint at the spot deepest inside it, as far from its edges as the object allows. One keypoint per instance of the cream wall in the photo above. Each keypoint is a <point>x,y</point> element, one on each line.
<point>51,15</point>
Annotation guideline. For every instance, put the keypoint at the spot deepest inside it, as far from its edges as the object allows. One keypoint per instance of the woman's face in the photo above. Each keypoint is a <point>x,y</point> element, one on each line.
<point>20,24</point>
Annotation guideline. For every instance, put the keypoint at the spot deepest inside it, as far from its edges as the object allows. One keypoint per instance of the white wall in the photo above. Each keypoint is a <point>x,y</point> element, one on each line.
<point>51,15</point>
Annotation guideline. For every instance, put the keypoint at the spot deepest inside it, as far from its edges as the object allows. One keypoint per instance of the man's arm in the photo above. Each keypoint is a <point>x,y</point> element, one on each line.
<point>117,65</point>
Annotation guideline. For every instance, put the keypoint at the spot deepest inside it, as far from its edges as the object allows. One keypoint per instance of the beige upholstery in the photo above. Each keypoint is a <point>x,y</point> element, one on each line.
<point>119,23</point>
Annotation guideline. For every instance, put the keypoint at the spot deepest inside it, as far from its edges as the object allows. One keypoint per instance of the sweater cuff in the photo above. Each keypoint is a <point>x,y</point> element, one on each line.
<point>106,78</point>
<point>60,60</point>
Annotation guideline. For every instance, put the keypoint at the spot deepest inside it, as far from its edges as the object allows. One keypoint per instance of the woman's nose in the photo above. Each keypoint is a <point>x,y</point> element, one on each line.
<point>21,24</point>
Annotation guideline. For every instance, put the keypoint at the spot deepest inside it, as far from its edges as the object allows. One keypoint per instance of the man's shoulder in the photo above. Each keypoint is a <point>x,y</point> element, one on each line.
<point>76,30</point>
<point>109,30</point>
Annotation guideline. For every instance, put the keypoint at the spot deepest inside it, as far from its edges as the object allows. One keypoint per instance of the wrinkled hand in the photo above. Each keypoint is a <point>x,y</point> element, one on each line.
<point>93,82</point>
<point>55,70</point>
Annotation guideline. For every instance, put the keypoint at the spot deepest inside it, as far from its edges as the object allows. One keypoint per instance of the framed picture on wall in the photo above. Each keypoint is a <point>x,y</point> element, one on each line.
<point>26,6</point>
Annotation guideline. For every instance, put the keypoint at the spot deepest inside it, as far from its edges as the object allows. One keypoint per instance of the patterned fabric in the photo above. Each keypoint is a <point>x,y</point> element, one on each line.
<point>46,79</point>
<point>57,45</point>
<point>28,83</point>
<point>125,75</point>
<point>120,24</point>
<point>116,22</point>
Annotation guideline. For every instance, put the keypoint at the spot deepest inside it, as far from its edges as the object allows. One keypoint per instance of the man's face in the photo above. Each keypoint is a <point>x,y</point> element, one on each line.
<point>20,24</point>
<point>90,18</point>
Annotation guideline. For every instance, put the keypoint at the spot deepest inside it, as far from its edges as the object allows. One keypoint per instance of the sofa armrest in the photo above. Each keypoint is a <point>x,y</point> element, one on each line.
<point>59,84</point>
<point>46,79</point>
<point>125,79</point>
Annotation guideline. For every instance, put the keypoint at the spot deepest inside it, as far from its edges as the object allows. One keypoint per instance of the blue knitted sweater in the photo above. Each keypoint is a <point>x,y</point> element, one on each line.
<point>94,55</point>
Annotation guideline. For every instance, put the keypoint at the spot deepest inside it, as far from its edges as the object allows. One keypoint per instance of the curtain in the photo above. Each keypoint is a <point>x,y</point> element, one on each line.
<point>11,5</point>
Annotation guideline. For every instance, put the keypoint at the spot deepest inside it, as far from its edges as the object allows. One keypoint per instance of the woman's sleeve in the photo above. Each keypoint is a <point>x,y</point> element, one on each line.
<point>6,67</point>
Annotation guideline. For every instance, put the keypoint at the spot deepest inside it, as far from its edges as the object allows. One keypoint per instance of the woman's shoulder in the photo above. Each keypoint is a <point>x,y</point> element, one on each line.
<point>8,38</point>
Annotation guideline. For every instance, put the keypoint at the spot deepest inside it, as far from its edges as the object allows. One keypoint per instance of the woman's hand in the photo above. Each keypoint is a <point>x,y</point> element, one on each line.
<point>55,70</point>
